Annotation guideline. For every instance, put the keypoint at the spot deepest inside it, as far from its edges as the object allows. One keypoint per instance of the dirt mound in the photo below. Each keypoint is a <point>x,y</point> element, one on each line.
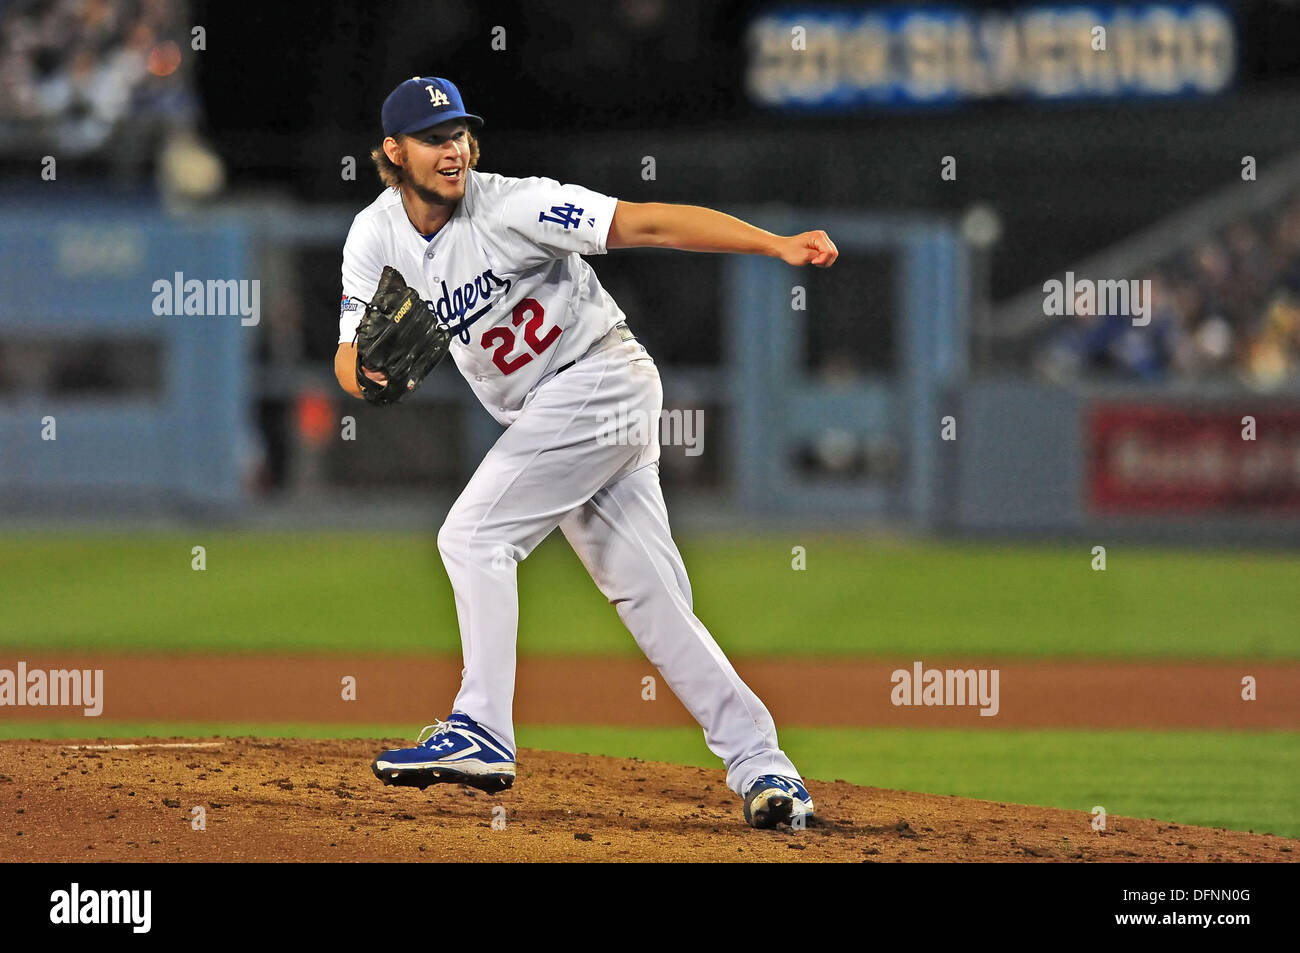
<point>317,800</point>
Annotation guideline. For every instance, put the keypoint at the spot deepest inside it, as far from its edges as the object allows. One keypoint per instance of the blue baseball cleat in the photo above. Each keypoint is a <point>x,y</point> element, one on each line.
<point>455,751</point>
<point>774,800</point>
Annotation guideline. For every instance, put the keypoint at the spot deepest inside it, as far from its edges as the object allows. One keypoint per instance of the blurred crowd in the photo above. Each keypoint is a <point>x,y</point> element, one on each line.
<point>77,76</point>
<point>1227,306</point>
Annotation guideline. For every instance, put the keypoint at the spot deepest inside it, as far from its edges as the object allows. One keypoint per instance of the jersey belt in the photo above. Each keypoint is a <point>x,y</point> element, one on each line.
<point>624,333</point>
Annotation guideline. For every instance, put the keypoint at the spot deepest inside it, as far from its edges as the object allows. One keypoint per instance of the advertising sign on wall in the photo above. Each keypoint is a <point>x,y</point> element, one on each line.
<point>1154,459</point>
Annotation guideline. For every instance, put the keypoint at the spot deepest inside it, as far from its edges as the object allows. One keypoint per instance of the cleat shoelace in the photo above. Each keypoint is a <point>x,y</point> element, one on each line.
<point>428,732</point>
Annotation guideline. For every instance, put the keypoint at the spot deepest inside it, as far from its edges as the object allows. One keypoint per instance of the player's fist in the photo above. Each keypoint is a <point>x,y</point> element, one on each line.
<point>377,376</point>
<point>809,248</point>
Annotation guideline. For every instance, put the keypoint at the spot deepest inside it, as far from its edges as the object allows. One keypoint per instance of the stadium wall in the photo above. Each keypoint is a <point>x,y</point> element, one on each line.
<point>1219,465</point>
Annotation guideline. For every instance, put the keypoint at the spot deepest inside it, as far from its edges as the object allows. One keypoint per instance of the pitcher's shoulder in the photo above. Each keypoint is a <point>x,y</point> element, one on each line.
<point>486,188</point>
<point>378,220</point>
<point>383,205</point>
<point>493,196</point>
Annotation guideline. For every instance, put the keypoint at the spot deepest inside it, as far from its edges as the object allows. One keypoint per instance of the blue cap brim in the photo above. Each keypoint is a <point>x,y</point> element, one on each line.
<point>420,125</point>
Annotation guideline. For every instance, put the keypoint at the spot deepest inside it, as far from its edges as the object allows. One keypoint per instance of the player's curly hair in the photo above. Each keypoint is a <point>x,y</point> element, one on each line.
<point>391,174</point>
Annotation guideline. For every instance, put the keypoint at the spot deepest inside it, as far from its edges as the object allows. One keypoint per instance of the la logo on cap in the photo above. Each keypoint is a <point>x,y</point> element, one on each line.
<point>436,96</point>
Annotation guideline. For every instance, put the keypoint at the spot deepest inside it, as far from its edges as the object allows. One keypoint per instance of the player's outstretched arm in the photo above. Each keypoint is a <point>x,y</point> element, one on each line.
<point>694,228</point>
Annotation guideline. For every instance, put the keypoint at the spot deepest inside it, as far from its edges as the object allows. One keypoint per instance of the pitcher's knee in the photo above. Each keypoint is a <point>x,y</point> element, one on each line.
<point>642,598</point>
<point>459,539</point>
<point>453,539</point>
<point>462,544</point>
<point>653,590</point>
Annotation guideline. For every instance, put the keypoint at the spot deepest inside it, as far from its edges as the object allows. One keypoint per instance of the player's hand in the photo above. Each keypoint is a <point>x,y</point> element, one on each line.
<point>377,376</point>
<point>809,248</point>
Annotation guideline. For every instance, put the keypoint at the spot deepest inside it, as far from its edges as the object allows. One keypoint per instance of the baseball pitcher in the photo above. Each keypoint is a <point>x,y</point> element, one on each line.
<point>491,269</point>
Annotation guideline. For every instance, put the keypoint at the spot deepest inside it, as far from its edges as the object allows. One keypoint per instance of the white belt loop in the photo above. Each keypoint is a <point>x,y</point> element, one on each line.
<point>615,335</point>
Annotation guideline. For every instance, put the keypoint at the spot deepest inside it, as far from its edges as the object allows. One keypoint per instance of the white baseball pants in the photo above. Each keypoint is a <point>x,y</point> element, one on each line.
<point>564,462</point>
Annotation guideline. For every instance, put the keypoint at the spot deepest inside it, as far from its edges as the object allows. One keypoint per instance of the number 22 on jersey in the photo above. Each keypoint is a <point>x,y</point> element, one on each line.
<point>504,338</point>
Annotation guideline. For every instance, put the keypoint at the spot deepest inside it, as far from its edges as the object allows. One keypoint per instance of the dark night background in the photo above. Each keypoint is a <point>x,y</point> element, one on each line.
<point>584,89</point>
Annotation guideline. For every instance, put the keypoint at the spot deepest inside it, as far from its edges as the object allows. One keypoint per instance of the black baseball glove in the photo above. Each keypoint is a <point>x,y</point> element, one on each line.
<point>398,336</point>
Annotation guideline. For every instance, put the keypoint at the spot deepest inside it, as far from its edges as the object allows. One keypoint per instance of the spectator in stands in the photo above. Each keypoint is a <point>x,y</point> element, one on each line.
<point>1229,304</point>
<point>1110,345</point>
<point>79,75</point>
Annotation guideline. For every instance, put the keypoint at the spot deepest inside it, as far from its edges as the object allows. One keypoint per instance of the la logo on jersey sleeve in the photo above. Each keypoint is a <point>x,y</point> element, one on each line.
<point>567,216</point>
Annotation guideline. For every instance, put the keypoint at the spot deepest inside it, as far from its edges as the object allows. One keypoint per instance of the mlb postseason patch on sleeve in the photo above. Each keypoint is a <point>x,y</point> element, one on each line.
<point>348,304</point>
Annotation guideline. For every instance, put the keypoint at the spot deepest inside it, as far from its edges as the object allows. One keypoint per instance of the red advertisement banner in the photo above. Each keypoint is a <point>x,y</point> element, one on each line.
<point>1177,459</point>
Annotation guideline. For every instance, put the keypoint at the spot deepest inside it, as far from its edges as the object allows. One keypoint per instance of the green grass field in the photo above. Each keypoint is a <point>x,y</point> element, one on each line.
<point>302,592</point>
<point>1218,779</point>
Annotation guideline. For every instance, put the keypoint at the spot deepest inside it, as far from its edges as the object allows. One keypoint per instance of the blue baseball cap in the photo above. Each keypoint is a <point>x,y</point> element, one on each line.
<point>421,102</point>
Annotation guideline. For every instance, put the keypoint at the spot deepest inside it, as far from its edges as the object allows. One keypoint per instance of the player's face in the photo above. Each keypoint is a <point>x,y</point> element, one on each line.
<point>437,162</point>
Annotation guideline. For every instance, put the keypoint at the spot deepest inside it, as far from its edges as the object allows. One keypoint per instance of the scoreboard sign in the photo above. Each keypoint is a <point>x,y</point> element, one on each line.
<point>839,60</point>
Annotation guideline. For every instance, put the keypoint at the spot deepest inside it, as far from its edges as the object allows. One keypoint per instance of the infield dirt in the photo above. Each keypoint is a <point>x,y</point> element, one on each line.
<point>1053,693</point>
<point>318,801</point>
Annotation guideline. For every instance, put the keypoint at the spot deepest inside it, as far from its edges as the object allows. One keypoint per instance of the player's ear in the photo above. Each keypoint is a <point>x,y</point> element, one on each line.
<point>393,149</point>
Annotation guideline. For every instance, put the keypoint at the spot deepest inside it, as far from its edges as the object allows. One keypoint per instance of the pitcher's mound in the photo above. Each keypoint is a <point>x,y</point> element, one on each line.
<point>254,799</point>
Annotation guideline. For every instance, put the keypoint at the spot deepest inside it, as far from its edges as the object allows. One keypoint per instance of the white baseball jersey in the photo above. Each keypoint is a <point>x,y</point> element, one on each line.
<point>505,272</point>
